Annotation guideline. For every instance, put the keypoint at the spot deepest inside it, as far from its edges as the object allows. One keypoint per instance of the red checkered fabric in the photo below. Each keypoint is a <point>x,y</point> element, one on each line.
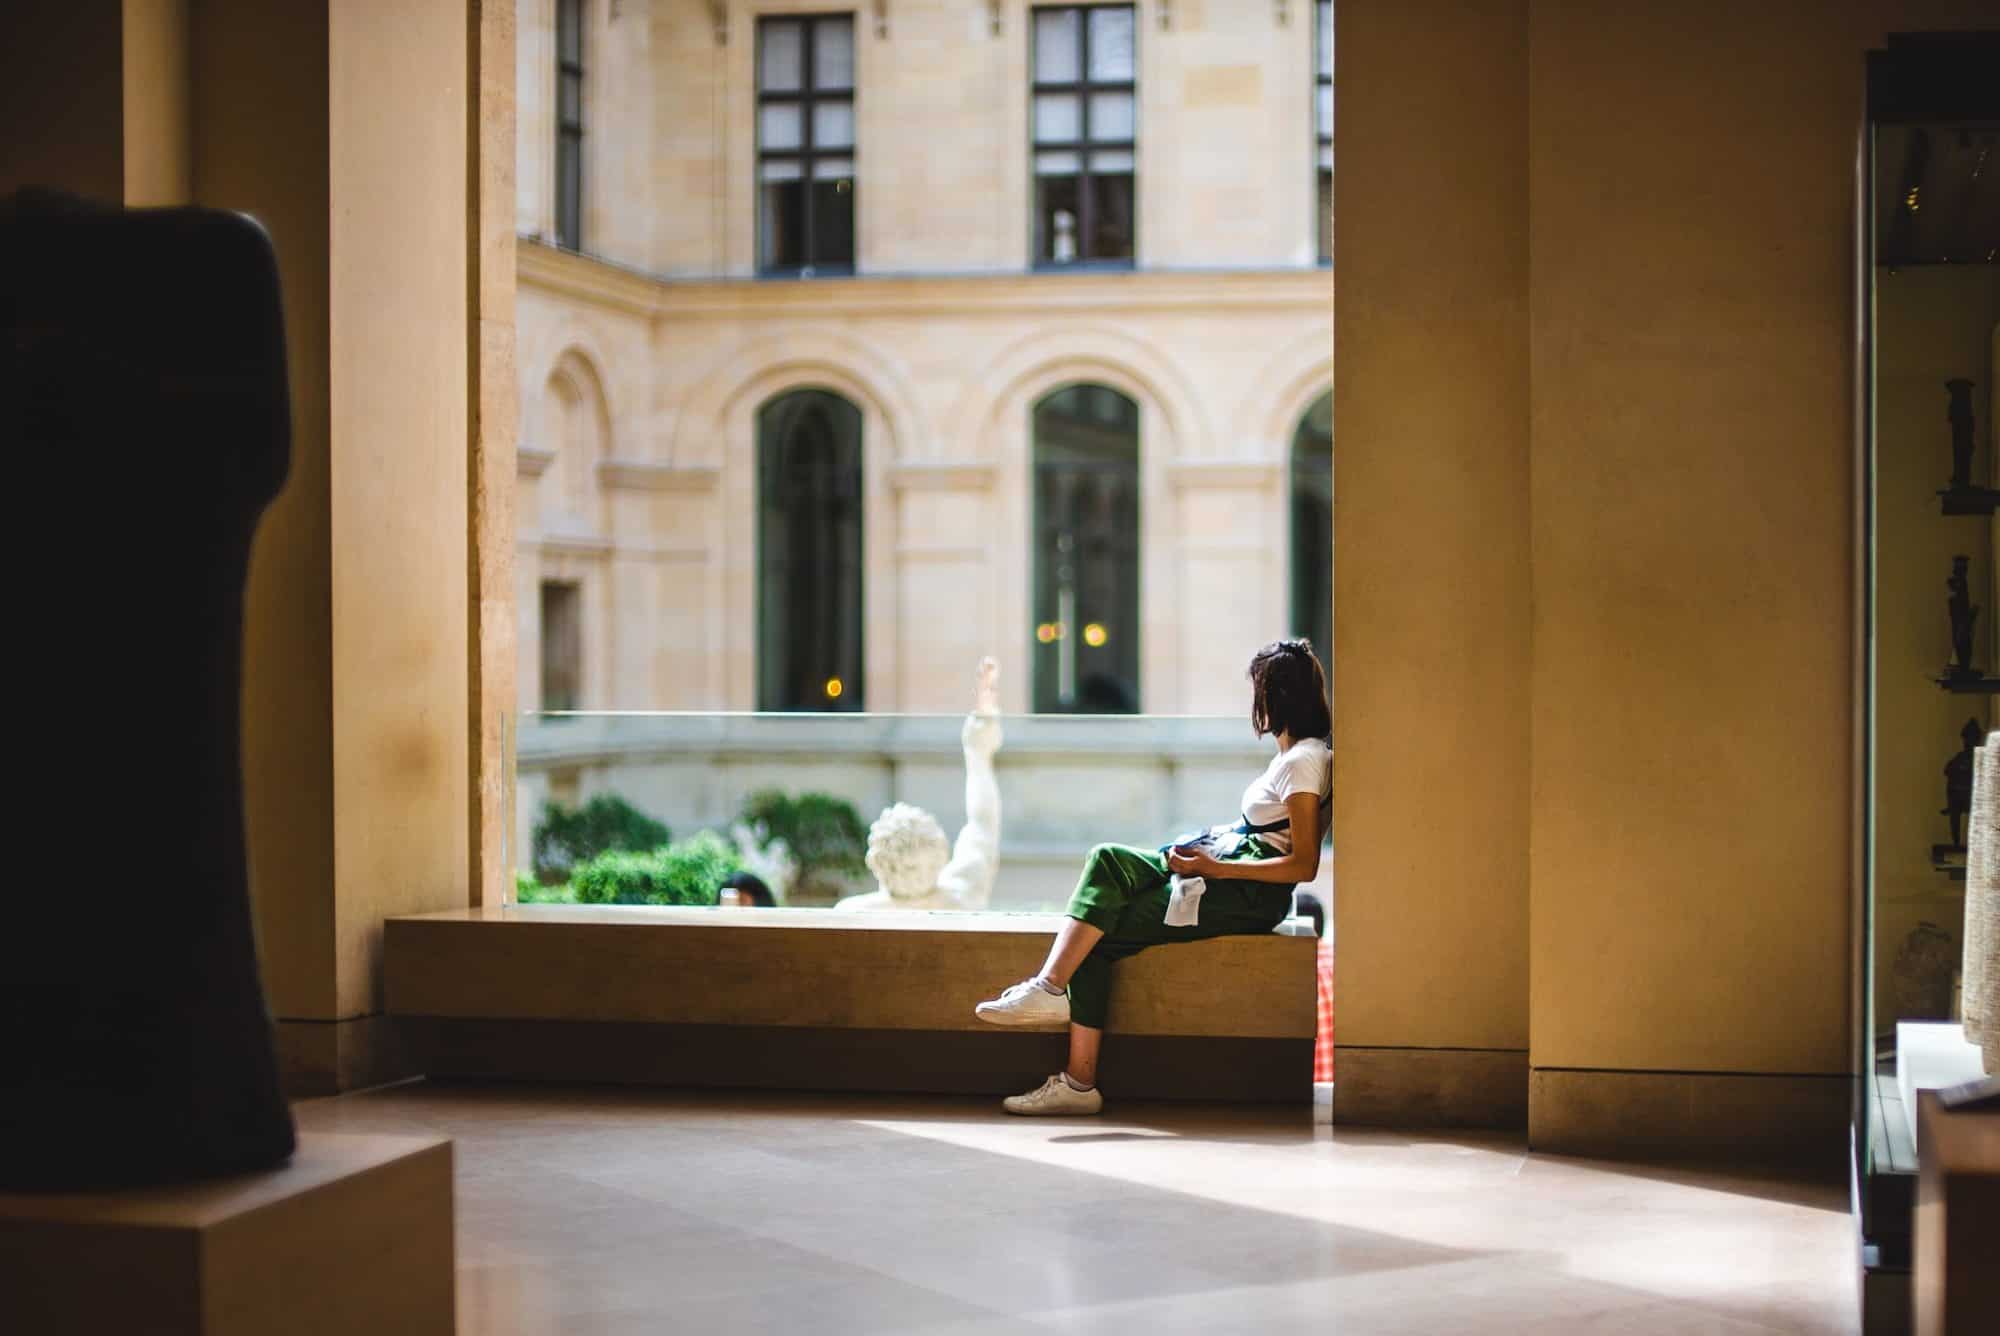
<point>1323,1037</point>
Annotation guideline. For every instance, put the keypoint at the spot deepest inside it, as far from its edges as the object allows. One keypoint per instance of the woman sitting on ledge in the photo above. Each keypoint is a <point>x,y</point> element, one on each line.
<point>1230,879</point>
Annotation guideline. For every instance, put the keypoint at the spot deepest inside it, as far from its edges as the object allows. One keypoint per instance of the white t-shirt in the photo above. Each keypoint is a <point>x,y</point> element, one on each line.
<point>1305,767</point>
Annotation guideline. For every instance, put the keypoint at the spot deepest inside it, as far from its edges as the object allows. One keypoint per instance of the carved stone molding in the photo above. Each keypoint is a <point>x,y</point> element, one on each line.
<point>573,545</point>
<point>942,475</point>
<point>718,13</point>
<point>531,462</point>
<point>881,9</point>
<point>642,475</point>
<point>1224,472</point>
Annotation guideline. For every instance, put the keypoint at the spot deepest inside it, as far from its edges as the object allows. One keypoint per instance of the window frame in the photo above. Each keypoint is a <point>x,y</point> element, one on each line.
<point>807,154</point>
<point>1044,678</point>
<point>572,593</point>
<point>853,698</point>
<point>1085,147</point>
<point>570,133</point>
<point>1322,136</point>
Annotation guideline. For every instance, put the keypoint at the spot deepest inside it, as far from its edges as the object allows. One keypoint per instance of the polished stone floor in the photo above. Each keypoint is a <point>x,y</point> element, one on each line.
<point>594,1211</point>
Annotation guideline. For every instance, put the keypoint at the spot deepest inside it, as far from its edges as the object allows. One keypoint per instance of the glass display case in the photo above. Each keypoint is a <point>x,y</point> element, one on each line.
<point>1928,286</point>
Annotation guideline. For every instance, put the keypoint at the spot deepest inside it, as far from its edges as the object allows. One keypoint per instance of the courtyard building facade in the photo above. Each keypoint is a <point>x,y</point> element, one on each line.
<point>855,346</point>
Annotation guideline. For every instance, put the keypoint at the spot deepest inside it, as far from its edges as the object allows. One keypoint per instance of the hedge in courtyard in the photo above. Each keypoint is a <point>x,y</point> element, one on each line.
<point>689,872</point>
<point>824,833</point>
<point>567,837</point>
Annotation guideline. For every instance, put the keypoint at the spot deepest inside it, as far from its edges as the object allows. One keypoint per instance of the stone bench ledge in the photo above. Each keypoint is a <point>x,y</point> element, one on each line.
<point>814,969</point>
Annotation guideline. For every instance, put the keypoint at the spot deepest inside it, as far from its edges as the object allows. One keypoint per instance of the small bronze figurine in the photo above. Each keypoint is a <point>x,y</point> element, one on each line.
<point>1960,417</point>
<point>1958,781</point>
<point>1964,616</point>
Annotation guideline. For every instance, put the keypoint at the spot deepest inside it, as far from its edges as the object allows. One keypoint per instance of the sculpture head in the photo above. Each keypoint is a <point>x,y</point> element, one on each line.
<point>906,851</point>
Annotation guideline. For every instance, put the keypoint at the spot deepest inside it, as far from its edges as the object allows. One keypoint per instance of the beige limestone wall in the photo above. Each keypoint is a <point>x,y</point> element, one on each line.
<point>399,322</point>
<point>274,165</point>
<point>1692,330</point>
<point>158,87</point>
<point>61,70</point>
<point>1931,323</point>
<point>1679,275</point>
<point>493,397</point>
<point>942,116</point>
<point>638,446</point>
<point>345,131</point>
<point>1431,628</point>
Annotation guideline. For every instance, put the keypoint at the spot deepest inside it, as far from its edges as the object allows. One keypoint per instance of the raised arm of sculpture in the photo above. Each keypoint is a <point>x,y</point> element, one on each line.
<point>975,855</point>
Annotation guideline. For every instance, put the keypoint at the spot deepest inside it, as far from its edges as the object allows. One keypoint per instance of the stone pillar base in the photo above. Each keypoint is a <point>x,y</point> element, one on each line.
<point>354,1235</point>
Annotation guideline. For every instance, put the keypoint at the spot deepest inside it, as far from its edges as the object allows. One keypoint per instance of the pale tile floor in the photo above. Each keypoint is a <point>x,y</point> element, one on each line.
<point>594,1211</point>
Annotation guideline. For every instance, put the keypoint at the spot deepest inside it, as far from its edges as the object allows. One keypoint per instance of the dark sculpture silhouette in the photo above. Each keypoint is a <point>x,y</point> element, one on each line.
<point>144,400</point>
<point>1958,781</point>
<point>1960,417</point>
<point>1964,616</point>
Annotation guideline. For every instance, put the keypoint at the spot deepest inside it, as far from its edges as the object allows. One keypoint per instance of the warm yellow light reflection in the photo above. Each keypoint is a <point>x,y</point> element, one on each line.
<point>1094,634</point>
<point>834,686</point>
<point>1049,632</point>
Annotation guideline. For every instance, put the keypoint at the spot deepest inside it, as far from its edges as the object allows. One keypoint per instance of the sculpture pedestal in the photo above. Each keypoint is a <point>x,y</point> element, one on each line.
<point>354,1235</point>
<point>1957,1288</point>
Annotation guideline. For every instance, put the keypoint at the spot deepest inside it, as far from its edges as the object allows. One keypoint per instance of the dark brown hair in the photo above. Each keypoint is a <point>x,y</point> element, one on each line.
<point>1288,691</point>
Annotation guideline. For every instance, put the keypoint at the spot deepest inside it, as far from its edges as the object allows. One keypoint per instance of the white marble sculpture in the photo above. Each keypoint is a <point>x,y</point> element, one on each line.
<point>914,867</point>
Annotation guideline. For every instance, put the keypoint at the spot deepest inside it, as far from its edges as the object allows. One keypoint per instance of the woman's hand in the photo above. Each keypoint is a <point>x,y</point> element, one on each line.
<point>1191,862</point>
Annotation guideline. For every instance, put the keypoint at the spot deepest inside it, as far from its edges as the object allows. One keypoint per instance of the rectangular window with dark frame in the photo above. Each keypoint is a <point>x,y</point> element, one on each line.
<point>1323,125</point>
<point>1086,128</point>
<point>805,144</point>
<point>562,645</point>
<point>569,124</point>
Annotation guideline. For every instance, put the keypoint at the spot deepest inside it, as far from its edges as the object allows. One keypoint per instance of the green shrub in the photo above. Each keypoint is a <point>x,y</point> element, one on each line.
<point>529,891</point>
<point>689,872</point>
<point>567,837</point>
<point>824,833</point>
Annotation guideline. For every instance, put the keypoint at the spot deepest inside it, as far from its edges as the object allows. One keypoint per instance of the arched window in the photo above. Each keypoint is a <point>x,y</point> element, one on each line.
<point>809,571</point>
<point>1312,527</point>
<point>1086,552</point>
<point>570,499</point>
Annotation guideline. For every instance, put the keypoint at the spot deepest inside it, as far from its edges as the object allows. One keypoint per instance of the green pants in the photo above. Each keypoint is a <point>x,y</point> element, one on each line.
<point>1124,892</point>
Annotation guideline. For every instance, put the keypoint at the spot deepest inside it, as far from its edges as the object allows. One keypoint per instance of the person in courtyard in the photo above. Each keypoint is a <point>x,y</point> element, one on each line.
<point>1235,878</point>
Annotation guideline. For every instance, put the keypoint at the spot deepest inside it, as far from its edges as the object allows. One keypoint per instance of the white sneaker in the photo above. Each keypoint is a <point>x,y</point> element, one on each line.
<point>1026,1003</point>
<point>1055,1098</point>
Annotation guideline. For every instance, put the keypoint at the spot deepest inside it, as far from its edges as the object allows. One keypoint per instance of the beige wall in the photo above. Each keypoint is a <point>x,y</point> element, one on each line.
<point>1931,323</point>
<point>60,74</point>
<point>1431,627</point>
<point>1225,156</point>
<point>345,131</point>
<point>274,165</point>
<point>158,87</point>
<point>399,322</point>
<point>1693,331</point>
<point>1689,323</point>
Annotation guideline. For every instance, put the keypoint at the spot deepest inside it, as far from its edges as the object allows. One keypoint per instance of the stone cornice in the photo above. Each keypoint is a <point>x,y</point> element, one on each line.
<point>641,475</point>
<point>941,475</point>
<point>1095,294</point>
<point>1224,472</point>
<point>571,544</point>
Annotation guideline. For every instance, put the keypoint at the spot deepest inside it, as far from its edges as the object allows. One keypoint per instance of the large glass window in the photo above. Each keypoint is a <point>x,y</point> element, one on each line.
<point>1085,109</point>
<point>1086,552</point>
<point>805,145</point>
<point>569,124</point>
<point>1323,125</point>
<point>809,546</point>
<point>1312,526</point>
